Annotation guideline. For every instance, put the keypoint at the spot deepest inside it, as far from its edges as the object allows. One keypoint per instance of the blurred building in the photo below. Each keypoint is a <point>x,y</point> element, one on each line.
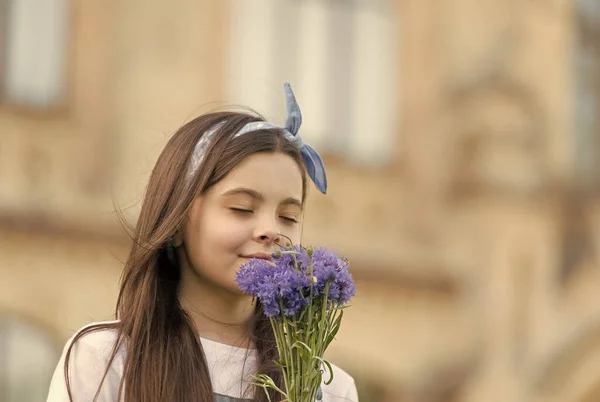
<point>461,140</point>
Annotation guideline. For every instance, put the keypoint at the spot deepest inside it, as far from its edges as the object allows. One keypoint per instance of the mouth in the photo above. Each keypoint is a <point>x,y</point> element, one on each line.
<point>258,256</point>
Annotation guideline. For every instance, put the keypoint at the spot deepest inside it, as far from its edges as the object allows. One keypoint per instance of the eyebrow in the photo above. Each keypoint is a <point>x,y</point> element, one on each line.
<point>259,196</point>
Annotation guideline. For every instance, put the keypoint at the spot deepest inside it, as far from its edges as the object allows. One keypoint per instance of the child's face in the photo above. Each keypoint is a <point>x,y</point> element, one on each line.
<point>243,216</point>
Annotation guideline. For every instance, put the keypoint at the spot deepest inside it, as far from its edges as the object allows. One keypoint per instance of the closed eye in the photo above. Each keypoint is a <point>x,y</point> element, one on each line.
<point>288,219</point>
<point>241,211</point>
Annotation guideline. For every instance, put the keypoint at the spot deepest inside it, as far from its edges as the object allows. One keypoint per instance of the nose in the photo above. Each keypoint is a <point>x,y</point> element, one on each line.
<point>267,231</point>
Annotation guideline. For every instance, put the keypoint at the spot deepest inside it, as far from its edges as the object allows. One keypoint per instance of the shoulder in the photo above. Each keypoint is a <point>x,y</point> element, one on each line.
<point>88,355</point>
<point>342,388</point>
<point>100,337</point>
<point>96,343</point>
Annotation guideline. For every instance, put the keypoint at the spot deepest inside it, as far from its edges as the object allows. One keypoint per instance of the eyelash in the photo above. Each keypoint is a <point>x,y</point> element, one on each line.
<point>241,210</point>
<point>249,211</point>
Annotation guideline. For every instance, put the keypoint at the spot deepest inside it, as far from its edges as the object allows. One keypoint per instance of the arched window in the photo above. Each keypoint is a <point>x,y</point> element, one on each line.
<point>33,52</point>
<point>28,356</point>
<point>342,58</point>
<point>587,92</point>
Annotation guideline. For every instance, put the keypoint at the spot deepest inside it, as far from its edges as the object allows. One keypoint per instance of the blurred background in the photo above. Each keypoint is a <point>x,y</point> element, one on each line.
<point>461,139</point>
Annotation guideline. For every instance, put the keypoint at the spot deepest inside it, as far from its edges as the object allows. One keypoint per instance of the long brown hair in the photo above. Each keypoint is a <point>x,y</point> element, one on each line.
<point>165,360</point>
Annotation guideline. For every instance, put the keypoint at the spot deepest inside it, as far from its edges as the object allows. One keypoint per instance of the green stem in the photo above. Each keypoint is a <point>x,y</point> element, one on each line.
<point>320,340</point>
<point>290,363</point>
<point>278,340</point>
<point>310,304</point>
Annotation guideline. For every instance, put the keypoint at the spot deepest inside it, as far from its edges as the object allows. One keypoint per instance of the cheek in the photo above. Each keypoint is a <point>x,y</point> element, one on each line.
<point>225,232</point>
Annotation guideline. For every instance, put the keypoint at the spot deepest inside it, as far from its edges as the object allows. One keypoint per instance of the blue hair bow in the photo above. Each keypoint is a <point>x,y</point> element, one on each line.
<point>312,160</point>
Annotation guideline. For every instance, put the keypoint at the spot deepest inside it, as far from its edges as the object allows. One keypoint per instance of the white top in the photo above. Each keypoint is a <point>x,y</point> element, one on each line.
<point>227,365</point>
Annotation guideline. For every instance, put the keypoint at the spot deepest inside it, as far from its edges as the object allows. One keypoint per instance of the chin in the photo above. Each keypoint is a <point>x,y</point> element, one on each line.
<point>237,291</point>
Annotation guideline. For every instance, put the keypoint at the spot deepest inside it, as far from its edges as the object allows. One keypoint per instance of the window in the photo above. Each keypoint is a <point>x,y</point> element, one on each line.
<point>33,47</point>
<point>578,237</point>
<point>341,58</point>
<point>587,96</point>
<point>28,357</point>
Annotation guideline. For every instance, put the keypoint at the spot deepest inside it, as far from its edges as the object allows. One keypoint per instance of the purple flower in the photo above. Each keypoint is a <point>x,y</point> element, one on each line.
<point>330,268</point>
<point>293,303</point>
<point>251,275</point>
<point>270,307</point>
<point>347,287</point>
<point>284,288</point>
<point>287,260</point>
<point>274,286</point>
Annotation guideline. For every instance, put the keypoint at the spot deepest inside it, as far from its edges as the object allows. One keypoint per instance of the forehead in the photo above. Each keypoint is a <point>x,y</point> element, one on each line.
<point>272,174</point>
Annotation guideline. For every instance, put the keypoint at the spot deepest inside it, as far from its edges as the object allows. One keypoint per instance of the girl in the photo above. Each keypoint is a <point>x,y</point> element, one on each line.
<point>226,188</point>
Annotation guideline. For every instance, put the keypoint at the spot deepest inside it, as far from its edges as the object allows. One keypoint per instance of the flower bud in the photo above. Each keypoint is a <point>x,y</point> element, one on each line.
<point>309,251</point>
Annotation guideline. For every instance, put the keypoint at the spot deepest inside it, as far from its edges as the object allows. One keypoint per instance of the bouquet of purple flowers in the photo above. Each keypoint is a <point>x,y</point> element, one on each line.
<point>303,291</point>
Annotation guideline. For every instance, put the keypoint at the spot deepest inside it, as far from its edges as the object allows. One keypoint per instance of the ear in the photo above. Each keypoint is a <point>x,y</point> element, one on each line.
<point>177,239</point>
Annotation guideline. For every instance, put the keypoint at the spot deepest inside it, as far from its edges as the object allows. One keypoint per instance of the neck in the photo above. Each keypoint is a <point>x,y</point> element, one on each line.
<point>218,314</point>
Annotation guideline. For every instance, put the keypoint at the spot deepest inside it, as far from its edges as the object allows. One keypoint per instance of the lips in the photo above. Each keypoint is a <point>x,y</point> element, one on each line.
<point>259,256</point>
